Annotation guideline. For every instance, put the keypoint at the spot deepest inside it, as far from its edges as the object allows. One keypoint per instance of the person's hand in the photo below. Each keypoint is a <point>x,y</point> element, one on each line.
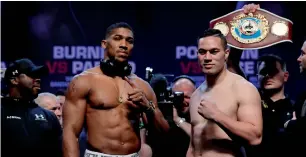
<point>250,8</point>
<point>137,95</point>
<point>208,109</point>
<point>176,118</point>
<point>293,116</point>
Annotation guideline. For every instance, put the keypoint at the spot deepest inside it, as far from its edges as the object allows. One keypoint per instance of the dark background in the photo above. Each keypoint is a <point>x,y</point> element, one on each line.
<point>31,29</point>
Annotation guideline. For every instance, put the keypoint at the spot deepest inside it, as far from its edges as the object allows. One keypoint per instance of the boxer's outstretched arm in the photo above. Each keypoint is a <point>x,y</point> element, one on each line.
<point>248,126</point>
<point>73,115</point>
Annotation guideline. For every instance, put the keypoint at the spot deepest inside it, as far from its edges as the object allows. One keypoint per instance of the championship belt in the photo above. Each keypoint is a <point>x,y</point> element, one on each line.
<point>254,30</point>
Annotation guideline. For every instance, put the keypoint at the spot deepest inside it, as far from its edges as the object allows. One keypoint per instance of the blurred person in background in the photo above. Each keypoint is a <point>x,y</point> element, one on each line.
<point>180,133</point>
<point>60,94</point>
<point>50,102</point>
<point>297,125</point>
<point>277,107</point>
<point>26,128</point>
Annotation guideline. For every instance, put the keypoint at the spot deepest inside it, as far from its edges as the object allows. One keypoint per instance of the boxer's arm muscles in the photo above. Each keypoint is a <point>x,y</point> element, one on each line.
<point>73,115</point>
<point>156,117</point>
<point>249,114</point>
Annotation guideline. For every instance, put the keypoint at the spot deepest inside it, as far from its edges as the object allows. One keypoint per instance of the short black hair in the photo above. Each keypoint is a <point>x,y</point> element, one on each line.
<point>115,26</point>
<point>216,33</point>
<point>272,58</point>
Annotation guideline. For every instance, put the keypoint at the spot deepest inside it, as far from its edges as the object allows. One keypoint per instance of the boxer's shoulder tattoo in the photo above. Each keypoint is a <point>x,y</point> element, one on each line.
<point>72,86</point>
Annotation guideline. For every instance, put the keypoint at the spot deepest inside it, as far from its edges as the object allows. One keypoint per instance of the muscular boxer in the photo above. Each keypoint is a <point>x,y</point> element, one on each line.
<point>225,110</point>
<point>109,102</point>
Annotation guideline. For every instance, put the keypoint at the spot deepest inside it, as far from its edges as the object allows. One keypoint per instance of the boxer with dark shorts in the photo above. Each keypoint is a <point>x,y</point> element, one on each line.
<point>109,100</point>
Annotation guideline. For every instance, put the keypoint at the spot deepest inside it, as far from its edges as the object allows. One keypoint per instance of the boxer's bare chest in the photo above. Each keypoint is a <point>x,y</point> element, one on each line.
<point>107,93</point>
<point>222,96</point>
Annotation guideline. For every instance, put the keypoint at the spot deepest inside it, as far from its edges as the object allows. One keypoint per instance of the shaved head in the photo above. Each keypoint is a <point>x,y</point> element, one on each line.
<point>187,87</point>
<point>183,82</point>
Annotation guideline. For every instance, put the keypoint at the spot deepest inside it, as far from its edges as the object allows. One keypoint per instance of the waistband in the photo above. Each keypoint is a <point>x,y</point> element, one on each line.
<point>89,153</point>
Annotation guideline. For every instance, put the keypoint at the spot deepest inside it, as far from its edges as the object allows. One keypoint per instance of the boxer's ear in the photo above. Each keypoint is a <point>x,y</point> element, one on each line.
<point>286,76</point>
<point>104,43</point>
<point>227,52</point>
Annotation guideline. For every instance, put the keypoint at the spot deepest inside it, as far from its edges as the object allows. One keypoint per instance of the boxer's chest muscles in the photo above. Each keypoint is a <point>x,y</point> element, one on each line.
<point>223,97</point>
<point>107,93</point>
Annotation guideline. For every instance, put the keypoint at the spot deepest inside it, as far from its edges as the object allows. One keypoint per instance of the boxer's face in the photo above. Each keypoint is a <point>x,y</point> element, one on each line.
<point>274,79</point>
<point>302,59</point>
<point>119,44</point>
<point>211,55</point>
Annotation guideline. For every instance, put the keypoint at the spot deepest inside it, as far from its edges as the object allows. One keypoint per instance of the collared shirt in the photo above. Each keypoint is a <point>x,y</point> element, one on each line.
<point>29,130</point>
<point>276,113</point>
<point>275,140</point>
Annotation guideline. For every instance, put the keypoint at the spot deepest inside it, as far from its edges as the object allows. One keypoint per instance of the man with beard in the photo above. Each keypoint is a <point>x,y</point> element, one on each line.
<point>27,129</point>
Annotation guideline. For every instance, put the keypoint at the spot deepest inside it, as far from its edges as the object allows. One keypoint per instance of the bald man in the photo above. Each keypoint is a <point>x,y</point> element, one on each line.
<point>60,94</point>
<point>50,102</point>
<point>186,85</point>
<point>179,134</point>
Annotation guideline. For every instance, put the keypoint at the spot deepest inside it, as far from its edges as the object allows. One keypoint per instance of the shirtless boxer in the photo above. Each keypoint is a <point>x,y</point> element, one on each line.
<point>225,110</point>
<point>109,104</point>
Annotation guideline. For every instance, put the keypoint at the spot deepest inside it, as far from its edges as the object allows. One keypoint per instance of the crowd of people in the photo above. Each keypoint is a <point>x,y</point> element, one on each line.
<point>107,111</point>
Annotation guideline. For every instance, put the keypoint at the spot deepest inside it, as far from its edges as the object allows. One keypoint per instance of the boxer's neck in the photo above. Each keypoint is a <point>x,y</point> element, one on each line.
<point>213,80</point>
